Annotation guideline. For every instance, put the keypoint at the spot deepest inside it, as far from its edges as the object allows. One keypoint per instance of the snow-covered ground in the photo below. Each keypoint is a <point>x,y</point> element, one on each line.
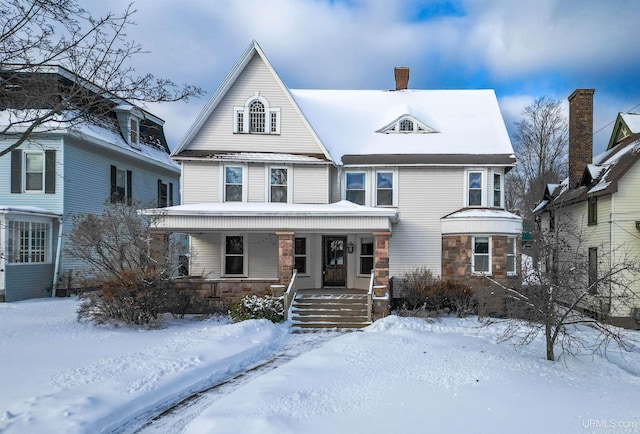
<point>401,375</point>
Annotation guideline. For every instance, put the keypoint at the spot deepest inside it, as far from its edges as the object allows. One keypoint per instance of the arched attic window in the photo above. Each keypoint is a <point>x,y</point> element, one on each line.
<point>256,117</point>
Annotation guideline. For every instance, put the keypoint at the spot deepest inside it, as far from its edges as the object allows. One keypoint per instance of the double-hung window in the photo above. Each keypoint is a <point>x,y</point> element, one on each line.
<point>356,187</point>
<point>165,194</point>
<point>593,270</point>
<point>511,256</point>
<point>234,255</point>
<point>233,182</point>
<point>481,255</point>
<point>592,211</point>
<point>384,188</point>
<point>29,242</point>
<point>497,190</point>
<point>474,187</point>
<point>121,185</point>
<point>300,255</point>
<point>278,183</point>
<point>33,171</point>
<point>366,255</point>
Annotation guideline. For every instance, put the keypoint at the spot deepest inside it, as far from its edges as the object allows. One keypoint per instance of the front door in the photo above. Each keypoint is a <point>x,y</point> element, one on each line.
<point>334,268</point>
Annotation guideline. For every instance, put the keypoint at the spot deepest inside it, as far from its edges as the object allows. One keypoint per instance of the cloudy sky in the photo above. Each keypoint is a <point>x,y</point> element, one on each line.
<point>522,49</point>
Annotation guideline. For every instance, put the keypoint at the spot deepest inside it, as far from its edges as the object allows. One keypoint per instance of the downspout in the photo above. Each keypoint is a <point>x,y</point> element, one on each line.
<point>56,265</point>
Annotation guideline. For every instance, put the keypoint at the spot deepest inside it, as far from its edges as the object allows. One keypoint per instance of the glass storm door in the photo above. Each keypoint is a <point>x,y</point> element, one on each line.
<point>334,269</point>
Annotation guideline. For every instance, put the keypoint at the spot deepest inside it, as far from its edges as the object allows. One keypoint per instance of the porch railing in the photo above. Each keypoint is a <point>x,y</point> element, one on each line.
<point>289,295</point>
<point>370,297</point>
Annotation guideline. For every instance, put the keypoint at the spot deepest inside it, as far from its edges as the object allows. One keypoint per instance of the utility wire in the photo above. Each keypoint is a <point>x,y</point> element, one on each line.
<point>628,111</point>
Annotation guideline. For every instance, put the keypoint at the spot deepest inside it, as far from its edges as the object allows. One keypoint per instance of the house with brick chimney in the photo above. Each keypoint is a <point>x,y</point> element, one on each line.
<point>333,193</point>
<point>599,199</point>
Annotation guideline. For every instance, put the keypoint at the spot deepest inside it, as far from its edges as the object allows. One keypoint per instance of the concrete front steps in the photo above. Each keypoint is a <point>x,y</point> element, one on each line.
<point>329,311</point>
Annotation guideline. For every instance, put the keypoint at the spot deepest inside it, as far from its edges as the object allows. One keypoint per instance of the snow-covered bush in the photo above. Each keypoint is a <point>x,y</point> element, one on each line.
<point>254,307</point>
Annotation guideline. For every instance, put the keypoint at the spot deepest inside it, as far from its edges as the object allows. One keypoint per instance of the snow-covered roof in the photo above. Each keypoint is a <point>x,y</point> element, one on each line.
<point>346,121</point>
<point>94,132</point>
<point>26,209</point>
<point>342,208</point>
<point>251,156</point>
<point>632,120</point>
<point>482,213</point>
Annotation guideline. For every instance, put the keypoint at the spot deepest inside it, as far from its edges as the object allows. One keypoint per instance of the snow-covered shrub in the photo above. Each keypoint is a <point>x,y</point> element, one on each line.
<point>254,307</point>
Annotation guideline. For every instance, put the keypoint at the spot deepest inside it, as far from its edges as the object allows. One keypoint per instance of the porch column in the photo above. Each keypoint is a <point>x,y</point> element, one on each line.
<point>285,256</point>
<point>381,258</point>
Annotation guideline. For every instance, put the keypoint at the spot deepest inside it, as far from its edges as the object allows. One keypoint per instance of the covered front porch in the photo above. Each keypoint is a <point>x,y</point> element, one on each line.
<point>241,248</point>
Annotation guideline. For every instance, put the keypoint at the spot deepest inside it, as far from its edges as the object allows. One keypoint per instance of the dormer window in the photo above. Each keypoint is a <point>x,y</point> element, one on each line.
<point>407,124</point>
<point>256,117</point>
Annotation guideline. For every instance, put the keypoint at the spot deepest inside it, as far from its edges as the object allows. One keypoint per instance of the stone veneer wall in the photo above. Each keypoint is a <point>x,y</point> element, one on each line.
<point>456,266</point>
<point>214,296</point>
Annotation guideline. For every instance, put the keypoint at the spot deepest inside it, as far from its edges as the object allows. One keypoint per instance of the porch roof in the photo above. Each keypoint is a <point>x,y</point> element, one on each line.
<point>254,216</point>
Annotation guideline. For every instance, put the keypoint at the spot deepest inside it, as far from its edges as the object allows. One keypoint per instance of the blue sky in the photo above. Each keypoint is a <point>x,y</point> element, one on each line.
<point>522,49</point>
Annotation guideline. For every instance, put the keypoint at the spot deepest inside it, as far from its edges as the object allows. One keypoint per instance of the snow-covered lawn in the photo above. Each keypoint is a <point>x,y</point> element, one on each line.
<point>401,375</point>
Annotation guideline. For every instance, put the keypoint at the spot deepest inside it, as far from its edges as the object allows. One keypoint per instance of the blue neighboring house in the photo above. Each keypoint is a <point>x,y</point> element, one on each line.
<point>117,154</point>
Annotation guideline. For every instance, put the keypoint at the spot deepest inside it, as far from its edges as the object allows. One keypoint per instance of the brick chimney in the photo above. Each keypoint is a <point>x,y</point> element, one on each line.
<point>580,133</point>
<point>402,77</point>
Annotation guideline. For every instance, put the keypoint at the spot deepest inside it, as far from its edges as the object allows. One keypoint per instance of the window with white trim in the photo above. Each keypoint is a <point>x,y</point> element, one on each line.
<point>121,185</point>
<point>34,171</point>
<point>474,188</point>
<point>234,255</point>
<point>278,184</point>
<point>511,256</point>
<point>366,256</point>
<point>497,190</point>
<point>300,255</point>
<point>355,187</point>
<point>384,188</point>
<point>481,263</point>
<point>256,117</point>
<point>233,183</point>
<point>29,242</point>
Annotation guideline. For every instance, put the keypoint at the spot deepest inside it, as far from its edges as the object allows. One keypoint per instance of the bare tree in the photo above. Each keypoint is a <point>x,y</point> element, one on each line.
<point>95,54</point>
<point>541,153</point>
<point>131,266</point>
<point>571,288</point>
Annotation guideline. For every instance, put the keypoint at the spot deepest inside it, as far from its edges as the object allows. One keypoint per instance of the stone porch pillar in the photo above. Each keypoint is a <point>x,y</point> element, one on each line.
<point>285,256</point>
<point>381,258</point>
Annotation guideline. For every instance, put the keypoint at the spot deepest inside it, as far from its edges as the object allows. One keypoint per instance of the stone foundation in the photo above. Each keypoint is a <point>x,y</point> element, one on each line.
<point>216,296</point>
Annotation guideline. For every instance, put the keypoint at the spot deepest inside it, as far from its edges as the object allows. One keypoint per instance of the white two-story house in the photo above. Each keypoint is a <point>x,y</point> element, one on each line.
<point>117,154</point>
<point>337,183</point>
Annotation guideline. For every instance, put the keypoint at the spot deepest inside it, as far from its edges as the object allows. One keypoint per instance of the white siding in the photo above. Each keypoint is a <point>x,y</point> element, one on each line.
<point>424,196</point>
<point>625,212</point>
<point>311,184</point>
<point>263,256</point>
<point>256,179</point>
<point>335,195</point>
<point>201,182</point>
<point>217,132</point>
<point>206,259</point>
